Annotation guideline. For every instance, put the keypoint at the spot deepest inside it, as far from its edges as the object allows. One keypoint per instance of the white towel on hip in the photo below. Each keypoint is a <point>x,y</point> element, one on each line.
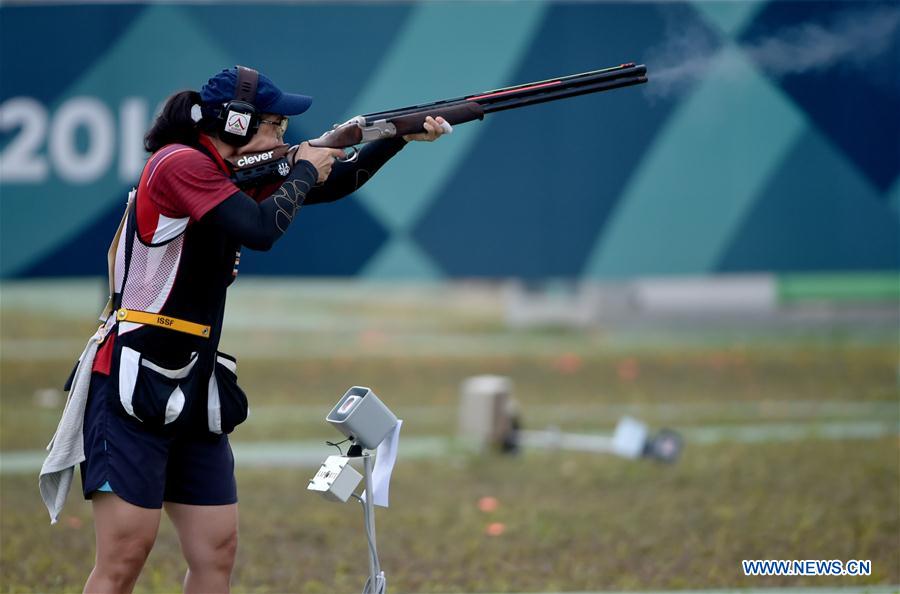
<point>67,446</point>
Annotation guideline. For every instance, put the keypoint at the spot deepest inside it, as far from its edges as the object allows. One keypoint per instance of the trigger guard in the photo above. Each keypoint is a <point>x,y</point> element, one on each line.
<point>352,157</point>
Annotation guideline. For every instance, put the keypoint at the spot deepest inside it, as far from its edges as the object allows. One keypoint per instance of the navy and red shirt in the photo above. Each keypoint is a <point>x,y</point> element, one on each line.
<point>182,273</point>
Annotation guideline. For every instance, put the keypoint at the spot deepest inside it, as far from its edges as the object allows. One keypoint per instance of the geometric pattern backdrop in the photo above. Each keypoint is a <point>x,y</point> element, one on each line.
<point>749,163</point>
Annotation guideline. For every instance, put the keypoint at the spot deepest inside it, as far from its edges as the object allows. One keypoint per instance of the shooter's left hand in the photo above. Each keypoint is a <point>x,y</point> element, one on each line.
<point>433,130</point>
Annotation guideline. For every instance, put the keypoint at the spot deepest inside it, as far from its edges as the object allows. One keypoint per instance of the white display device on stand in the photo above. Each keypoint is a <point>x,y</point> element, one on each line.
<point>369,425</point>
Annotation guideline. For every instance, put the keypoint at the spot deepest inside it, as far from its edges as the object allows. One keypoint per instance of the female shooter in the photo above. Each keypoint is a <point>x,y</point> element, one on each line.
<point>158,398</point>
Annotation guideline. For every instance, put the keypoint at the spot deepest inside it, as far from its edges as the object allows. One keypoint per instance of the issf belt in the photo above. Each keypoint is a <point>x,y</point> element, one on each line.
<point>161,321</point>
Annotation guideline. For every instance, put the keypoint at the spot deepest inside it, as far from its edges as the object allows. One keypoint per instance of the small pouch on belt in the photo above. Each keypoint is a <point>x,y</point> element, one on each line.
<point>151,393</point>
<point>227,405</point>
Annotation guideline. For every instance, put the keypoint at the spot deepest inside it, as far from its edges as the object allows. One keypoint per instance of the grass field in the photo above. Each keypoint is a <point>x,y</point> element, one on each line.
<point>570,521</point>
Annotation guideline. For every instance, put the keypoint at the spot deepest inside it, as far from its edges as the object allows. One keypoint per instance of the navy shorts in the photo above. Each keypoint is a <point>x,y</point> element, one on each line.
<point>146,467</point>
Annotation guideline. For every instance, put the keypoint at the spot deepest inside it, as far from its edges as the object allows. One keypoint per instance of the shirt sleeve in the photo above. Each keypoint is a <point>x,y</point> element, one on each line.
<point>188,183</point>
<point>258,225</point>
<point>262,192</point>
<point>347,177</point>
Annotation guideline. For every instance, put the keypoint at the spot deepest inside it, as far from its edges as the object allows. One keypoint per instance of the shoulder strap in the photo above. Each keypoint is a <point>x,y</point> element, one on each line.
<point>111,256</point>
<point>207,148</point>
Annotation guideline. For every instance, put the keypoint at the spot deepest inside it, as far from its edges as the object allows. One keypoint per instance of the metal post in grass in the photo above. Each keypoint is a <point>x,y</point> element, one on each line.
<point>376,583</point>
<point>490,418</point>
<point>369,425</point>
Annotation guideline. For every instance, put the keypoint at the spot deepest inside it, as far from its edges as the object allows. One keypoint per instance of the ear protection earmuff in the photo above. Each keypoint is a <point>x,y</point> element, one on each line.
<point>239,118</point>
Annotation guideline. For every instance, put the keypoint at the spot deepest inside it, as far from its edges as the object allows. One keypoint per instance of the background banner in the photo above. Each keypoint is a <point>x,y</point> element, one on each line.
<point>768,138</point>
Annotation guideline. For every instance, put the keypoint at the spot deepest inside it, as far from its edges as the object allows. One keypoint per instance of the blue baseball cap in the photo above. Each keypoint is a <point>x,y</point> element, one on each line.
<point>269,98</point>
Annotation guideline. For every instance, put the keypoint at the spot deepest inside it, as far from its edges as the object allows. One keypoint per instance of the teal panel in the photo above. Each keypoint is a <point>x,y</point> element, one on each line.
<point>308,59</point>
<point>691,191</point>
<point>532,195</point>
<point>802,220</point>
<point>34,32</point>
<point>419,68</point>
<point>402,258</point>
<point>127,70</point>
<point>729,16</point>
<point>740,169</point>
<point>894,197</point>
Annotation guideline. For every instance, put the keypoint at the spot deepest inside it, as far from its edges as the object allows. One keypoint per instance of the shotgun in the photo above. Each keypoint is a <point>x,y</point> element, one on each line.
<point>410,120</point>
<point>253,170</point>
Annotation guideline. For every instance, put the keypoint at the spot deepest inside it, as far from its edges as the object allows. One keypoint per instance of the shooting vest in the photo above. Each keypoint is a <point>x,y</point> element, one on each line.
<point>164,315</point>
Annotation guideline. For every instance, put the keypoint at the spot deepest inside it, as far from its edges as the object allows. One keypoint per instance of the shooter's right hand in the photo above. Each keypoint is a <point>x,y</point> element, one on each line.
<point>321,158</point>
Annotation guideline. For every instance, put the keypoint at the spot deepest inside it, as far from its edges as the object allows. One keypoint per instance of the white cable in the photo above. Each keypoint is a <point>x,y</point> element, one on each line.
<point>380,585</point>
<point>369,534</point>
<point>372,551</point>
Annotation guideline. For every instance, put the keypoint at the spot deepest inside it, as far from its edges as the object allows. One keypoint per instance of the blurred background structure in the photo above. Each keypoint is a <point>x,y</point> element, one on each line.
<point>753,150</point>
<point>717,251</point>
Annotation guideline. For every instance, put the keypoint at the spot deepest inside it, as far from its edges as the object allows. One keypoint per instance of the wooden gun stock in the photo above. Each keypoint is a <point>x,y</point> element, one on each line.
<point>343,136</point>
<point>461,113</point>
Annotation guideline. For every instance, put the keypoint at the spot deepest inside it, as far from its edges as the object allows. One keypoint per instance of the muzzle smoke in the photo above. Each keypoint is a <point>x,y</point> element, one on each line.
<point>852,39</point>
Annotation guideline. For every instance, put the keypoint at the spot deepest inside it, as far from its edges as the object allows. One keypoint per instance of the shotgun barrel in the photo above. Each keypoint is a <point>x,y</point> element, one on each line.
<point>458,110</point>
<point>522,91</point>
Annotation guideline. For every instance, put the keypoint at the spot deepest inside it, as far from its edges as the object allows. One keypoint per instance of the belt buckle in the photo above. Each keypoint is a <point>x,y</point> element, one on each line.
<point>106,326</point>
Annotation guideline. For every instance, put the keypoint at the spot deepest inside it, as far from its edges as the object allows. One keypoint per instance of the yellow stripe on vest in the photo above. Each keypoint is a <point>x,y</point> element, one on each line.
<point>153,319</point>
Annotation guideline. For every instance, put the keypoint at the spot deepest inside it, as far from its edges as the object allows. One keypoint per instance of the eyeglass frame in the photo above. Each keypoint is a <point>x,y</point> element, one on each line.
<point>282,124</point>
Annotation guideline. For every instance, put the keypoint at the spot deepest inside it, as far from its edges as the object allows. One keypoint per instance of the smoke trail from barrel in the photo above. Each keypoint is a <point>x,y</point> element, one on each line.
<point>852,39</point>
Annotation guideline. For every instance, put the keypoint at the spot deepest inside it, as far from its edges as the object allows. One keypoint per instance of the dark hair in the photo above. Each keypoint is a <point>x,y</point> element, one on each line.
<point>174,123</point>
